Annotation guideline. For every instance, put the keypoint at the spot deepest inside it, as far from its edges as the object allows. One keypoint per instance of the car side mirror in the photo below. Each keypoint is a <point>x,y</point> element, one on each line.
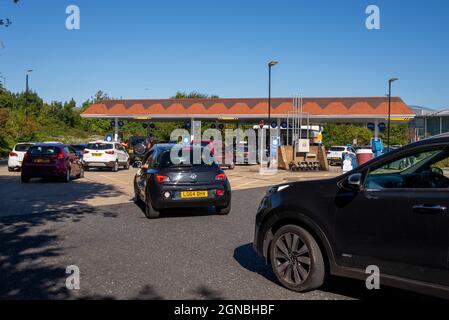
<point>437,171</point>
<point>354,181</point>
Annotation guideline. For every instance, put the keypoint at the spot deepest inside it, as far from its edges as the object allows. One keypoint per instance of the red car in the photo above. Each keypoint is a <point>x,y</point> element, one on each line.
<point>51,160</point>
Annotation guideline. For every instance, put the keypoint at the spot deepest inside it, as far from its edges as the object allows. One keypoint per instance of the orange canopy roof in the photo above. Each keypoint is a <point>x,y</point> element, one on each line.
<point>355,107</point>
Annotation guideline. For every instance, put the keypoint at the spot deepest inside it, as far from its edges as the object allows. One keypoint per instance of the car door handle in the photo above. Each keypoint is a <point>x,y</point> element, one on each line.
<point>430,209</point>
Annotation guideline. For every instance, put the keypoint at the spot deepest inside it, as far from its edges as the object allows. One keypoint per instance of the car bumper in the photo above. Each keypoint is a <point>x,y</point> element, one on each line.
<point>175,201</point>
<point>14,163</point>
<point>43,172</point>
<point>98,164</point>
<point>262,232</point>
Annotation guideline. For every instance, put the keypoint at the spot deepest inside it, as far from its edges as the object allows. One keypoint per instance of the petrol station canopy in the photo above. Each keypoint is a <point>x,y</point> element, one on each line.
<point>319,110</point>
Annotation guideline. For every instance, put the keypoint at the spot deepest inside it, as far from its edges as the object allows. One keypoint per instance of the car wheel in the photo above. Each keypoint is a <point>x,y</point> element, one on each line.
<point>127,165</point>
<point>24,179</point>
<point>136,198</point>
<point>81,174</point>
<point>150,212</point>
<point>10,169</point>
<point>296,259</point>
<point>67,176</point>
<point>223,210</point>
<point>115,167</point>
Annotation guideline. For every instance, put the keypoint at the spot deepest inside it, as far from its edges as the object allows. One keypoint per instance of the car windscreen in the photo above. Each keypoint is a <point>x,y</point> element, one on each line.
<point>337,149</point>
<point>99,146</point>
<point>137,140</point>
<point>22,147</point>
<point>185,158</point>
<point>44,150</point>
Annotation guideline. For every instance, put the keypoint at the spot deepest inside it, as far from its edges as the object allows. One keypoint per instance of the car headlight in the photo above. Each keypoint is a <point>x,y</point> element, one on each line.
<point>276,189</point>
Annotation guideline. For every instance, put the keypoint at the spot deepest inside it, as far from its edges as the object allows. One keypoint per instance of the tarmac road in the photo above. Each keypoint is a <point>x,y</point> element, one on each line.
<point>186,254</point>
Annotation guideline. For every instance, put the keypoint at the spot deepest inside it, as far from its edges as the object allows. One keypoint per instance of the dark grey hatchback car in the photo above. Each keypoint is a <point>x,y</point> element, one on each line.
<point>391,213</point>
<point>171,178</point>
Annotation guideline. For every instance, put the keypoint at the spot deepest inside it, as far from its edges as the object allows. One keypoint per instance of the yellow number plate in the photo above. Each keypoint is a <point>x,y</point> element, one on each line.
<point>194,194</point>
<point>96,154</point>
<point>41,161</point>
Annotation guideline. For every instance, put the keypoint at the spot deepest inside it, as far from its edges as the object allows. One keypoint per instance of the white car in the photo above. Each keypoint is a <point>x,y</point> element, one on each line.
<point>103,154</point>
<point>335,154</point>
<point>16,156</point>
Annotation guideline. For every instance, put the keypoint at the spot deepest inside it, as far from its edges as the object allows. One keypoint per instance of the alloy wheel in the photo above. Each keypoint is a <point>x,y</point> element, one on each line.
<point>292,258</point>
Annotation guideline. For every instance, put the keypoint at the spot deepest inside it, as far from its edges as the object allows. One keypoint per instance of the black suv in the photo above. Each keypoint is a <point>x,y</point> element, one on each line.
<point>171,178</point>
<point>137,147</point>
<point>392,213</point>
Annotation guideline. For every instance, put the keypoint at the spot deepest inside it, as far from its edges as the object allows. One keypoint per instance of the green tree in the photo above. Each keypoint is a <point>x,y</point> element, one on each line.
<point>193,95</point>
<point>343,134</point>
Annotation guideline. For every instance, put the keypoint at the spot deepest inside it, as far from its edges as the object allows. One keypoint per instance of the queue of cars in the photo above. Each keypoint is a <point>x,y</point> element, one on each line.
<point>305,230</point>
<point>62,161</point>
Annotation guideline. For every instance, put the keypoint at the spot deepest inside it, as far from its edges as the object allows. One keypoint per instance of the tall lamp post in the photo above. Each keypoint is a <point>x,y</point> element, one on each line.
<point>26,91</point>
<point>27,77</point>
<point>270,65</point>
<point>389,110</point>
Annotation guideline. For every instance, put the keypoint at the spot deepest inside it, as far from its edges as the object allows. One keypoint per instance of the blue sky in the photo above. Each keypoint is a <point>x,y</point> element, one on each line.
<point>222,47</point>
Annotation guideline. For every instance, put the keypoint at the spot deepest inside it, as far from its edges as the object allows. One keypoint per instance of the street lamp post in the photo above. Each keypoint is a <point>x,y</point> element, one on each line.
<point>389,110</point>
<point>26,91</point>
<point>270,65</point>
<point>27,87</point>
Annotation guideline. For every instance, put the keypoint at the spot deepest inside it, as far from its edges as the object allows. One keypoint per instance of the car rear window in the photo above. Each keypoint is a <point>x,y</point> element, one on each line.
<point>165,159</point>
<point>79,147</point>
<point>338,149</point>
<point>44,150</point>
<point>99,146</point>
<point>22,147</point>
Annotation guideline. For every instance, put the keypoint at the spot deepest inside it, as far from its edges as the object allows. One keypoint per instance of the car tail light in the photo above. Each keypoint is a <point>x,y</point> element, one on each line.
<point>219,193</point>
<point>61,155</point>
<point>161,178</point>
<point>13,154</point>
<point>110,152</point>
<point>85,152</point>
<point>26,157</point>
<point>220,177</point>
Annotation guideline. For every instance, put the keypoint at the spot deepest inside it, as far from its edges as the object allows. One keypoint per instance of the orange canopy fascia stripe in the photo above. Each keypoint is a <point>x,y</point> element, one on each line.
<point>248,107</point>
